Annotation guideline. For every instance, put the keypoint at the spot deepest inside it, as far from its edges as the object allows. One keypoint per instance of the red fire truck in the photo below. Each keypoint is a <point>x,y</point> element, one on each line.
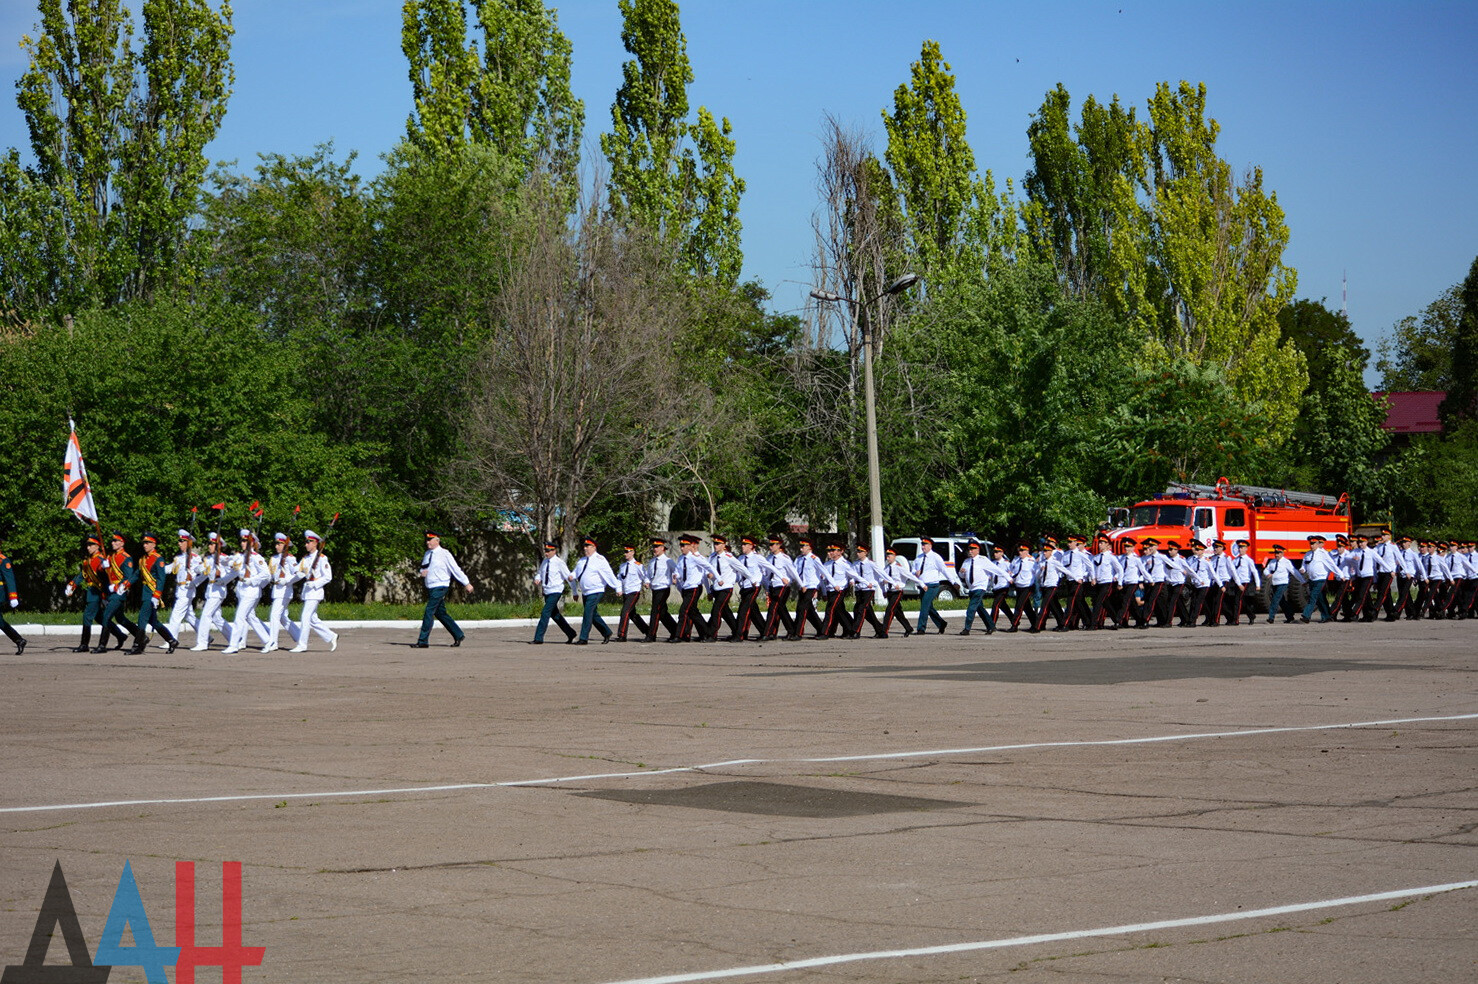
<point>1259,517</point>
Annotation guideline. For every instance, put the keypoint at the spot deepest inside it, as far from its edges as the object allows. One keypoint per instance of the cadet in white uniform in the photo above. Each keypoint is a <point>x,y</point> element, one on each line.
<point>186,569</point>
<point>317,572</point>
<point>283,573</point>
<point>217,570</point>
<point>633,576</point>
<point>253,577</point>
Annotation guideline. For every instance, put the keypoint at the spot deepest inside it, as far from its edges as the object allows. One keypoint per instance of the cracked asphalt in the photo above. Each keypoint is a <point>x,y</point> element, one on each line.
<point>1010,810</point>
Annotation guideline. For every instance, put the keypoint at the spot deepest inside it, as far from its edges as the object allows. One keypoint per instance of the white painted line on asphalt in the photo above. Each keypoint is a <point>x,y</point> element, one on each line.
<point>878,757</point>
<point>1077,934</point>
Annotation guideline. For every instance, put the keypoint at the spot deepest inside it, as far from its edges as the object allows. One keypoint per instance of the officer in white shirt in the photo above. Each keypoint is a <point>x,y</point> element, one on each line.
<point>1173,599</point>
<point>1152,569</point>
<point>837,576</point>
<point>1000,584</point>
<point>754,571</point>
<point>1362,579</point>
<point>633,576</point>
<point>283,573</point>
<point>930,568</point>
<point>692,570</point>
<point>660,573</point>
<point>807,583</point>
<point>1318,568</point>
<point>1222,596</point>
<point>1201,576</point>
<point>899,574</point>
<point>1247,578</point>
<point>1279,571</point>
<point>975,574</point>
<point>721,586</point>
<point>591,577</point>
<point>1058,594</point>
<point>1433,574</point>
<point>1131,576</point>
<point>1103,570</point>
<point>317,572</point>
<point>871,578</point>
<point>438,569</point>
<point>551,578</point>
<point>1408,577</point>
<point>253,577</point>
<point>779,589</point>
<point>1022,573</point>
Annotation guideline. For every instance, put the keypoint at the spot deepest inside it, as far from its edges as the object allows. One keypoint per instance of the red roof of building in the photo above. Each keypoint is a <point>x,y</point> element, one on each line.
<point>1413,413</point>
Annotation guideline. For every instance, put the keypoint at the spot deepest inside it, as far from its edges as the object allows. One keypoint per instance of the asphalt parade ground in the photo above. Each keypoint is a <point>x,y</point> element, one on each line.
<point>1254,804</point>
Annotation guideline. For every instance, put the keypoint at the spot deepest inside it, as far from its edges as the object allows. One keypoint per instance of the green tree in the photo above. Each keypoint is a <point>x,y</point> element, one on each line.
<point>934,167</point>
<point>1326,338</point>
<point>189,409</point>
<point>514,96</point>
<point>1462,399</point>
<point>667,174</point>
<point>1417,355</point>
<point>118,134</point>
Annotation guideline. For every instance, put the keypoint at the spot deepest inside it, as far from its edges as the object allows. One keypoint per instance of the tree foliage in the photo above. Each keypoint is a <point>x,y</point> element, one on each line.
<point>670,175</point>
<point>118,132</point>
<point>514,95</point>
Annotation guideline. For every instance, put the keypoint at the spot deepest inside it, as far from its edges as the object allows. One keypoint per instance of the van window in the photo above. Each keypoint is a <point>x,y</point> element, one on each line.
<point>1237,517</point>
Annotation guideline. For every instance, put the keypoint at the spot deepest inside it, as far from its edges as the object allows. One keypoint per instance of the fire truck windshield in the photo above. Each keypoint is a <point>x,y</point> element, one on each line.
<point>1160,515</point>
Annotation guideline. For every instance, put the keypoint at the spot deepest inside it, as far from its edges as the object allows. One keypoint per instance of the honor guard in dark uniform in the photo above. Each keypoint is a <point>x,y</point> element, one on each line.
<point>123,574</point>
<point>153,570</point>
<point>91,580</point>
<point>12,600</point>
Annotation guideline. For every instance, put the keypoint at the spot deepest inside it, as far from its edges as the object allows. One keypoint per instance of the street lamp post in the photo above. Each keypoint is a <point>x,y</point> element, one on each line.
<point>874,482</point>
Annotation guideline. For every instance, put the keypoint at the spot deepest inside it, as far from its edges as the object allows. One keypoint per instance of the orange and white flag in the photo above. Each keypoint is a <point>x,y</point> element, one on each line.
<point>76,492</point>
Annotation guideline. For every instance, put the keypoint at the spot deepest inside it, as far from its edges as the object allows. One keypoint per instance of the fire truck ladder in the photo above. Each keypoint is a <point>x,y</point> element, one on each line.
<point>1264,496</point>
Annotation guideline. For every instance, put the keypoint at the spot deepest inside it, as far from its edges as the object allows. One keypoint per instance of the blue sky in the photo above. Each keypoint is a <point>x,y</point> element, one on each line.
<point>1359,113</point>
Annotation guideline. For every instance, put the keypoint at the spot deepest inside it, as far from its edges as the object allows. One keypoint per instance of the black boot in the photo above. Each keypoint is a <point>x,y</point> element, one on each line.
<point>169,639</point>
<point>86,643</point>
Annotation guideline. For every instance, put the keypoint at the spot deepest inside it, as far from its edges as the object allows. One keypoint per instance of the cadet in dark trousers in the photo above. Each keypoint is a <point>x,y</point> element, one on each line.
<point>660,575</point>
<point>153,572</point>
<point>632,576</point>
<point>123,574</point>
<point>12,600</point>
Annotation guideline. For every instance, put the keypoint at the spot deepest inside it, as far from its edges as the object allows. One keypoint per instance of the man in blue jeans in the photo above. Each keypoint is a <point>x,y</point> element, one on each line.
<point>438,569</point>
<point>552,577</point>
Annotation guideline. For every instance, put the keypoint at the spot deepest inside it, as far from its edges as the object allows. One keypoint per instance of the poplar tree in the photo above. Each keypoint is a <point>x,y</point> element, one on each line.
<point>512,93</point>
<point>118,133</point>
<point>670,175</point>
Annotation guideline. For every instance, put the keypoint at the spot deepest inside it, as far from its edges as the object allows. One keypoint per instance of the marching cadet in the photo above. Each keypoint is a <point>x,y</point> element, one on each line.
<point>12,600</point>
<point>836,577</point>
<point>1106,576</point>
<point>283,573</point>
<point>1152,566</point>
<point>1131,576</point>
<point>1318,568</point>
<point>1173,605</point>
<point>1362,577</point>
<point>1245,571</point>
<point>123,574</point>
<point>779,589</point>
<point>1408,576</point>
<point>1000,584</point>
<point>660,573</point>
<point>592,576</point>
<point>723,581</point>
<point>1385,563</point>
<point>632,576</point>
<point>975,575</point>
<point>185,569</point>
<point>755,572</point>
<point>153,572</point>
<point>1341,558</point>
<point>317,572</point>
<point>1074,567</point>
<point>1023,575</point>
<point>1463,567</point>
<point>1278,571</point>
<point>1201,576</point>
<point>438,569</point>
<point>217,570</point>
<point>1049,580</point>
<point>871,578</point>
<point>91,580</point>
<point>253,577</point>
<point>1443,606</point>
<point>899,574</point>
<point>807,583</point>
<point>930,568</point>
<point>552,577</point>
<point>692,570</point>
<point>1430,573</point>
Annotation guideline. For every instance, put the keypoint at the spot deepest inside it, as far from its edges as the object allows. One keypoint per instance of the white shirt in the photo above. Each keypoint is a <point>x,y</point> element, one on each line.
<point>254,573</point>
<point>931,569</point>
<point>632,576</point>
<point>284,573</point>
<point>593,575</point>
<point>441,567</point>
<point>660,572</point>
<point>317,572</point>
<point>552,575</point>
